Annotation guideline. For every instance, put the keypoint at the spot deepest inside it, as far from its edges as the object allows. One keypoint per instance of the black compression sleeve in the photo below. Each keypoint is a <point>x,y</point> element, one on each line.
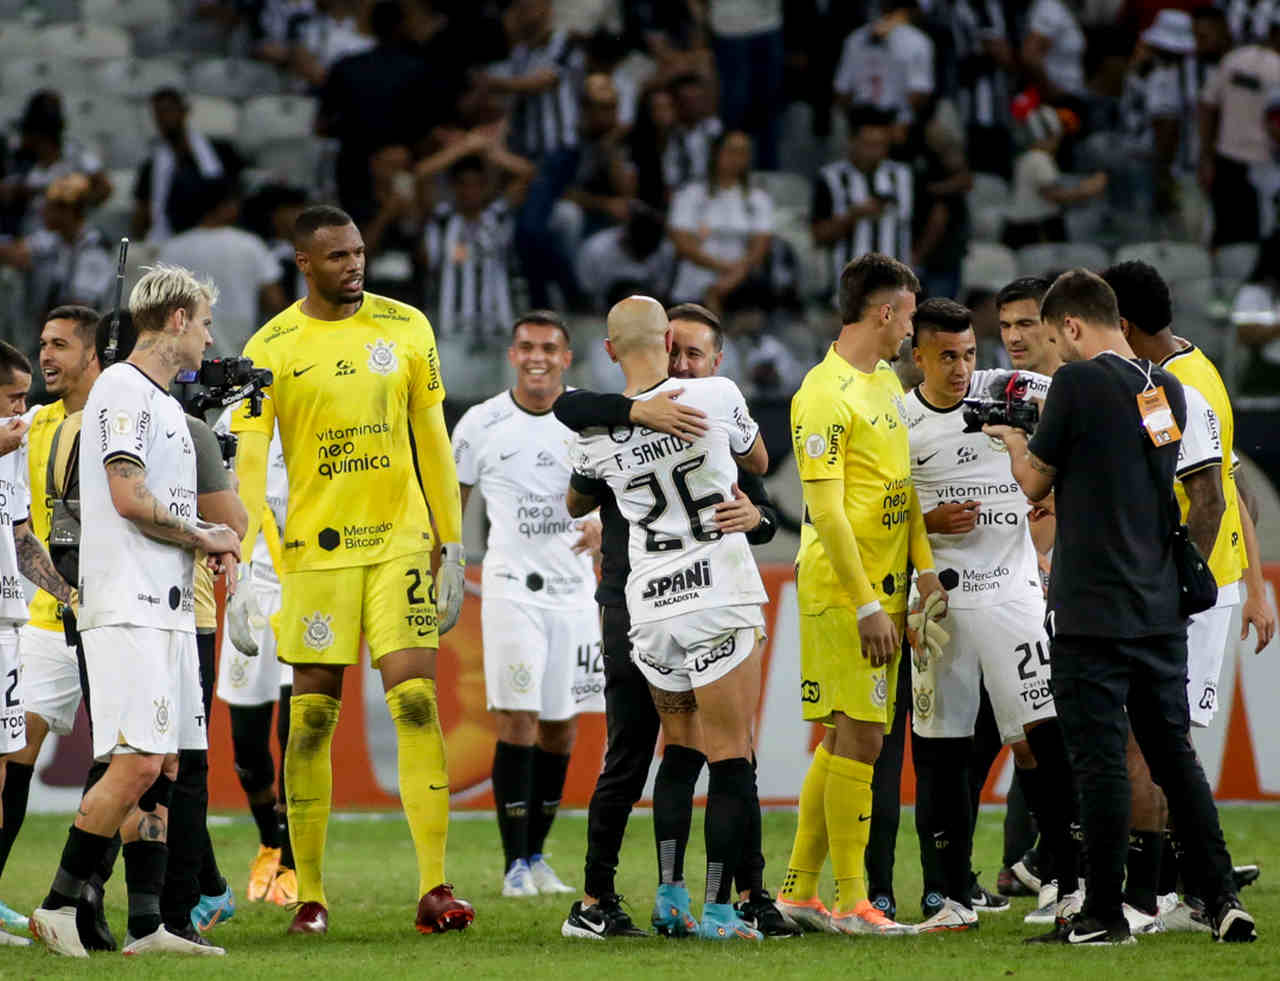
<point>579,409</point>
<point>751,485</point>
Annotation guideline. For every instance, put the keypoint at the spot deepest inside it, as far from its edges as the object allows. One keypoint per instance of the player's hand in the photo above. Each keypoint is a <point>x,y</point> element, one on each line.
<point>592,537</point>
<point>450,585</point>
<point>879,638</point>
<point>217,539</point>
<point>952,518</point>
<point>11,434</point>
<point>738,514</point>
<point>225,564</point>
<point>245,619</point>
<point>664,414</point>
<point>1257,611</point>
<point>1004,433</point>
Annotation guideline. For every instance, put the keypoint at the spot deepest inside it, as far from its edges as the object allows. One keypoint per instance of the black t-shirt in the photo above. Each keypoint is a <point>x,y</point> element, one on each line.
<point>1113,570</point>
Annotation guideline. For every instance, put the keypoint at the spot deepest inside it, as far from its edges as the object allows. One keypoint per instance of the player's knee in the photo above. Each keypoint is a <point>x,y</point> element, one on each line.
<point>414,709</point>
<point>313,730</point>
<point>680,765</point>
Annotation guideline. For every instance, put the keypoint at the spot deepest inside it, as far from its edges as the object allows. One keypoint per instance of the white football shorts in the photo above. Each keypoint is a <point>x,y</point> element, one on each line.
<point>688,651</point>
<point>50,677</point>
<point>1207,637</point>
<point>144,690</point>
<point>13,717</point>
<point>542,660</point>
<point>1004,647</point>
<point>246,681</point>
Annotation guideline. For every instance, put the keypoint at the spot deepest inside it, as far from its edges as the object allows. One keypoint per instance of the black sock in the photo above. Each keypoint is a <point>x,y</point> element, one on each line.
<point>80,857</point>
<point>673,808</point>
<point>549,770</point>
<point>944,829</point>
<point>144,869</point>
<point>729,802</point>
<point>512,791</point>
<point>1170,860</point>
<point>264,816</point>
<point>1019,827</point>
<point>1142,877</point>
<point>286,846</point>
<point>17,787</point>
<point>1050,790</point>
<point>750,875</point>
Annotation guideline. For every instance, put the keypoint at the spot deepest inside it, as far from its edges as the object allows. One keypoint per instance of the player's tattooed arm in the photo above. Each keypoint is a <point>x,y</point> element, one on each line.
<point>134,502</point>
<point>1206,506</point>
<point>35,564</point>
<point>1032,474</point>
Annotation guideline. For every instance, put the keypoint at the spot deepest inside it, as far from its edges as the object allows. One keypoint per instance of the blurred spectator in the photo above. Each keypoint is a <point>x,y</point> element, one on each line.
<point>65,260</point>
<point>1233,135</point>
<point>746,36</point>
<point>1249,20</point>
<point>815,32</point>
<point>686,156</point>
<point>606,55</point>
<point>888,64</point>
<point>984,62</point>
<point>1053,48</point>
<point>270,213</point>
<point>1213,38</point>
<point>392,225</point>
<point>605,180</point>
<point>1256,316</point>
<point>467,252</point>
<point>1265,176</point>
<point>43,155</point>
<point>543,73</point>
<point>864,203</point>
<point>308,36</point>
<point>662,28</point>
<point>1039,192</point>
<point>170,189</point>
<point>638,253</point>
<point>940,235</point>
<point>767,364</point>
<point>239,263</point>
<point>386,96</point>
<point>651,136</point>
<point>722,229</point>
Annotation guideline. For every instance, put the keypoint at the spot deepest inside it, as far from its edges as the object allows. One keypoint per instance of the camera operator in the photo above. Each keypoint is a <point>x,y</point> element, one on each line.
<point>1119,638</point>
<point>139,530</point>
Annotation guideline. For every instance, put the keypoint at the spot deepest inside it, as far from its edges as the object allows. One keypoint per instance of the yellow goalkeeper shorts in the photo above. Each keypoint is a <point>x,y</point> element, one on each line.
<point>835,677</point>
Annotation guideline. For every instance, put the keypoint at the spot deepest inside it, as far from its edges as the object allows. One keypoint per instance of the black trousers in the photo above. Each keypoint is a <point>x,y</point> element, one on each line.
<point>886,790</point>
<point>1096,681</point>
<point>632,724</point>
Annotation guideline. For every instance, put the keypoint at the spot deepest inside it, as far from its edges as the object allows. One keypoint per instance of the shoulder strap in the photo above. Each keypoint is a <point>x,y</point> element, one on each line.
<point>63,454</point>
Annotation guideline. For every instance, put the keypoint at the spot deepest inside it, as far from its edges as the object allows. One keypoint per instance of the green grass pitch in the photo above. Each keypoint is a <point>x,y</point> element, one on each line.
<point>372,882</point>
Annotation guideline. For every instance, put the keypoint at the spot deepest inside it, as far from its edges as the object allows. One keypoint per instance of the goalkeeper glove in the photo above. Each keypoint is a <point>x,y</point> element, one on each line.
<point>245,619</point>
<point>927,637</point>
<point>449,586</point>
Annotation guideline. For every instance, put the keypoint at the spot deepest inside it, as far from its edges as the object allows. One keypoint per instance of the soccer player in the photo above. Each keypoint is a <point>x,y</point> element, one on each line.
<point>863,523</point>
<point>354,374</point>
<point>139,531</point>
<point>542,659</point>
<point>693,591</point>
<point>697,344</point>
<point>1146,312</point>
<point>976,519</point>
<point>251,680</point>
<point>1030,342</point>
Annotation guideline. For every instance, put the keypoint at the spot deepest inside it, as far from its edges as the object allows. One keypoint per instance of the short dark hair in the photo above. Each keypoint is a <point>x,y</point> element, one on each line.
<point>867,275</point>
<point>85,319</point>
<point>316,217</point>
<point>864,114</point>
<point>12,361</point>
<point>126,336</point>
<point>1142,295</point>
<point>168,92</point>
<point>1023,288</point>
<point>1083,294</point>
<point>939,313</point>
<point>472,161</point>
<point>543,318</point>
<point>700,315</point>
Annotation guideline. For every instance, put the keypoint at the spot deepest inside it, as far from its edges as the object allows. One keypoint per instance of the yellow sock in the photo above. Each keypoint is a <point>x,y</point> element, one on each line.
<point>848,810</point>
<point>308,780</point>
<point>424,781</point>
<point>809,850</point>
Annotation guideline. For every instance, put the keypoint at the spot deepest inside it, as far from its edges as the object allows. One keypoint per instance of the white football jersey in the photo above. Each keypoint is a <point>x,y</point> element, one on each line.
<point>667,489</point>
<point>996,562</point>
<point>519,462</point>
<point>277,497</point>
<point>127,577</point>
<point>1201,442</point>
<point>15,507</point>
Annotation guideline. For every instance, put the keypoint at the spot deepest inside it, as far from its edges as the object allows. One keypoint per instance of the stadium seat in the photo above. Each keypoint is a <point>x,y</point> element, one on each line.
<point>790,192</point>
<point>26,75</point>
<point>18,40</point>
<point>234,78</point>
<point>214,116</point>
<point>112,217</point>
<point>112,125</point>
<point>127,13</point>
<point>40,11</point>
<point>1234,263</point>
<point>1035,260</point>
<point>1174,260</point>
<point>1200,313</point>
<point>988,204</point>
<point>813,262</point>
<point>86,42</point>
<point>272,118</point>
<point>137,78</point>
<point>987,266</point>
<point>295,161</point>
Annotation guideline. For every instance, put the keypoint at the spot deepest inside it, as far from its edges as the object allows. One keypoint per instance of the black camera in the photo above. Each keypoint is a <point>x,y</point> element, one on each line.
<point>226,381</point>
<point>994,412</point>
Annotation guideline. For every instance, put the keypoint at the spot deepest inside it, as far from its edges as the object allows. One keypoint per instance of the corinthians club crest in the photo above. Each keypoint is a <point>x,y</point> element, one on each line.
<point>382,356</point>
<point>317,634</point>
<point>163,712</point>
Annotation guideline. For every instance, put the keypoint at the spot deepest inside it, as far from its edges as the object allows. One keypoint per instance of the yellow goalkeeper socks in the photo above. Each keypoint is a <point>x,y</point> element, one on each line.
<point>809,850</point>
<point>424,781</point>
<point>848,811</point>
<point>308,780</point>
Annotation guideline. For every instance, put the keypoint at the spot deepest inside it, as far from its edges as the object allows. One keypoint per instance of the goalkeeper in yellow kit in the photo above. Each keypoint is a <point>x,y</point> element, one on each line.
<point>862,523</point>
<point>358,396</point>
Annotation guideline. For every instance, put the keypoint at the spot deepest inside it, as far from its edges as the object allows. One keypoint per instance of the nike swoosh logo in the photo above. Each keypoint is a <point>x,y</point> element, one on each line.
<point>168,433</point>
<point>297,372</point>
<point>922,460</point>
<point>1036,707</point>
<point>443,786</point>
<point>1084,938</point>
<point>507,456</point>
<point>864,817</point>
<point>873,420</point>
<point>595,927</point>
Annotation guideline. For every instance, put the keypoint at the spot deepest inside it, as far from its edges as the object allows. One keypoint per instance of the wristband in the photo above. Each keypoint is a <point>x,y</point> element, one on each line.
<point>869,609</point>
<point>924,572</point>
